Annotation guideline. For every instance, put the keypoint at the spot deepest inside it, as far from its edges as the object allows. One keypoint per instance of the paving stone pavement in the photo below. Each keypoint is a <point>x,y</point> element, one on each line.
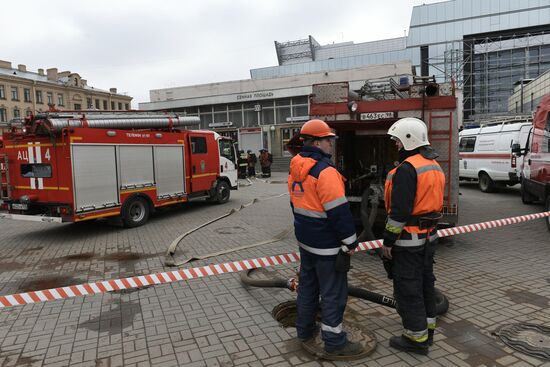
<point>492,278</point>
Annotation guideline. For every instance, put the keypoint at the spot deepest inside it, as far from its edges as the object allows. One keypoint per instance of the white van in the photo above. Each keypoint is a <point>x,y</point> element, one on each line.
<point>486,153</point>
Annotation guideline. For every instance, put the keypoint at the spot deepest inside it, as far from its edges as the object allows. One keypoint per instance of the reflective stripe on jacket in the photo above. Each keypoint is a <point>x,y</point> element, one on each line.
<point>322,217</point>
<point>430,185</point>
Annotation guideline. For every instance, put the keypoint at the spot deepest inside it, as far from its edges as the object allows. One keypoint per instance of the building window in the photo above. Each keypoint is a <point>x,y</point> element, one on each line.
<point>112,106</point>
<point>14,94</point>
<point>50,98</point>
<point>28,113</point>
<point>119,106</point>
<point>39,96</point>
<point>3,115</point>
<point>89,103</point>
<point>104,104</point>
<point>16,113</point>
<point>2,92</point>
<point>97,104</point>
<point>126,106</point>
<point>27,95</point>
<point>77,106</point>
<point>60,101</point>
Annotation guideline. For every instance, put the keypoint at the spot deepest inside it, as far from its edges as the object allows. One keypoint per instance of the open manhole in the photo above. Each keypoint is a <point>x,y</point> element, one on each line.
<point>531,339</point>
<point>285,313</point>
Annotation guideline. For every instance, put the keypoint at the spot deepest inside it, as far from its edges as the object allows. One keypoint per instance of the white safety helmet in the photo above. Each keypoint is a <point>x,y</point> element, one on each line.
<point>412,132</point>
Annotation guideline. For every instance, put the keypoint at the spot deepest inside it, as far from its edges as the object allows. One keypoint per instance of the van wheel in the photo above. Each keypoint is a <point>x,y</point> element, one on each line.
<point>486,184</point>
<point>135,212</point>
<point>222,193</point>
<point>526,198</point>
<point>548,210</point>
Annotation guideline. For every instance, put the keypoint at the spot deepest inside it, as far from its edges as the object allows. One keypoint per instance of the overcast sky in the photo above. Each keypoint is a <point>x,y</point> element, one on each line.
<point>138,45</point>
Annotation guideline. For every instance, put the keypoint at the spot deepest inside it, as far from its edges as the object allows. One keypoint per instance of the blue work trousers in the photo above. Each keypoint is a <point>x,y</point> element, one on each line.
<point>319,279</point>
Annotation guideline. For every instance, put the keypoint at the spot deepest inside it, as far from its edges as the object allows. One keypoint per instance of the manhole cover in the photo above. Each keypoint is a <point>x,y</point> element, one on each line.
<point>285,314</point>
<point>530,339</point>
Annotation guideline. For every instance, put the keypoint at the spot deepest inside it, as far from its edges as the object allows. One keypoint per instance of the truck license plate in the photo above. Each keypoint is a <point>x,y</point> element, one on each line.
<point>16,206</point>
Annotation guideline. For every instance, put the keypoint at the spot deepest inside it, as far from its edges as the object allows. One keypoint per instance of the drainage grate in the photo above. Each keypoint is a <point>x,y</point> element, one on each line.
<point>531,339</point>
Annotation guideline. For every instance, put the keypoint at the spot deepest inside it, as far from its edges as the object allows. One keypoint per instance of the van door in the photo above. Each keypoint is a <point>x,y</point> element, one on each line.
<point>204,161</point>
<point>467,165</point>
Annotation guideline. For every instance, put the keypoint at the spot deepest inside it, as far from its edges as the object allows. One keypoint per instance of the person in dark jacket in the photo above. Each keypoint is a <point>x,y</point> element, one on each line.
<point>265,162</point>
<point>252,160</point>
<point>324,228</point>
<point>414,200</point>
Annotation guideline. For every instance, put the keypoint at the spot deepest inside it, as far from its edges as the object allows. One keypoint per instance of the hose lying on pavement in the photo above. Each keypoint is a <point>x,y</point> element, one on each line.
<point>441,306</point>
<point>170,252</point>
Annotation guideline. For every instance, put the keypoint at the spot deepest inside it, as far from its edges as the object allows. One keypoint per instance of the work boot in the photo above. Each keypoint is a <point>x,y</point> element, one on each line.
<point>405,344</point>
<point>431,337</point>
<point>348,349</point>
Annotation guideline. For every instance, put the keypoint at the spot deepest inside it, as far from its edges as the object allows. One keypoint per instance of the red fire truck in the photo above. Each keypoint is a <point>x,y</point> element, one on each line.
<point>77,166</point>
<point>364,151</point>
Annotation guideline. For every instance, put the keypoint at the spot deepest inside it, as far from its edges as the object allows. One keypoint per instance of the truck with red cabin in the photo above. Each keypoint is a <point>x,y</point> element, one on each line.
<point>535,168</point>
<point>78,166</point>
<point>364,153</point>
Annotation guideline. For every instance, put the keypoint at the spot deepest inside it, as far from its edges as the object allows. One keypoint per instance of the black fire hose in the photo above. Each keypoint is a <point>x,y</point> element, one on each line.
<point>441,301</point>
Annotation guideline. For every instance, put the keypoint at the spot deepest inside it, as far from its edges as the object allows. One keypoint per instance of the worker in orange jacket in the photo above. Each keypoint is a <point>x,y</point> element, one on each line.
<point>325,232</point>
<point>414,200</point>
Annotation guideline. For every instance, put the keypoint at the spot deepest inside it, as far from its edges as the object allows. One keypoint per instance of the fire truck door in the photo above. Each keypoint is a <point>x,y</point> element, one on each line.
<point>94,176</point>
<point>204,162</point>
<point>169,170</point>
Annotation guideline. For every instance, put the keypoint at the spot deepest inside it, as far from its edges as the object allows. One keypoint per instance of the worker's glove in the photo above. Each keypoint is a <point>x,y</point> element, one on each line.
<point>389,238</point>
<point>350,248</point>
<point>343,262</point>
<point>388,265</point>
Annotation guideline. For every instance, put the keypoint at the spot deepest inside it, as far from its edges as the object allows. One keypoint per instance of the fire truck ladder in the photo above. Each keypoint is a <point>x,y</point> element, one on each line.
<point>5,191</point>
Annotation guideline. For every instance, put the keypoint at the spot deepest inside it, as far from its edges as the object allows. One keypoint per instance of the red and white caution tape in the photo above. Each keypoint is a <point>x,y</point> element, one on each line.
<point>210,270</point>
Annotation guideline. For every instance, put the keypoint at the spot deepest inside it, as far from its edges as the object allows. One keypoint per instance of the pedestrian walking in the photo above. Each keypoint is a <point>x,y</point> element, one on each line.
<point>414,200</point>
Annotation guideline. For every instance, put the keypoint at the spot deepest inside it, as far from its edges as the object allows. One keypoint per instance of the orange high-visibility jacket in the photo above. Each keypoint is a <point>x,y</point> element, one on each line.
<point>430,187</point>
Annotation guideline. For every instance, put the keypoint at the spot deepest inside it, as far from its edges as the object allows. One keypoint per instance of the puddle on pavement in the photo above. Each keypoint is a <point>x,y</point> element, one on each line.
<point>230,230</point>
<point>521,296</point>
<point>82,256</point>
<point>124,256</point>
<point>47,282</point>
<point>19,361</point>
<point>11,266</point>
<point>114,321</point>
<point>467,338</point>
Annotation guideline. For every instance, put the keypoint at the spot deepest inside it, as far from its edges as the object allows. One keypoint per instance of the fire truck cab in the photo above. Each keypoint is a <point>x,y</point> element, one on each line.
<point>77,166</point>
<point>365,153</point>
<point>535,174</point>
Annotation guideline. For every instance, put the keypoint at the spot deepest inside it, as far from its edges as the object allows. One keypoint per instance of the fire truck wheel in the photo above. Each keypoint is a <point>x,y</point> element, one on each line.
<point>221,195</point>
<point>135,212</point>
<point>548,210</point>
<point>486,184</point>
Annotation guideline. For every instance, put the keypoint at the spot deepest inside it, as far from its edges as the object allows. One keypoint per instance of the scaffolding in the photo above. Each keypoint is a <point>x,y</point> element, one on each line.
<point>487,68</point>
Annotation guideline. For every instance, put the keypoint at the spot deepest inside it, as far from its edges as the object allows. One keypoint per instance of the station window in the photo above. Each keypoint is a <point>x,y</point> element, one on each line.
<point>36,170</point>
<point>467,144</point>
<point>198,145</point>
